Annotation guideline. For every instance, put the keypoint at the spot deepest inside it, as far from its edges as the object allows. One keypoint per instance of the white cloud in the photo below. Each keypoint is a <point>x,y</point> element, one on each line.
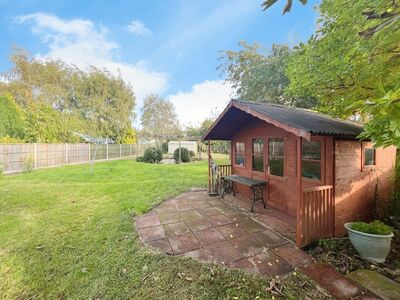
<point>196,105</point>
<point>83,43</point>
<point>138,27</point>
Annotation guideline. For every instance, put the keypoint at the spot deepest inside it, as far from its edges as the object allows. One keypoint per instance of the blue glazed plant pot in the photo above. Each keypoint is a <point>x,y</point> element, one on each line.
<point>372,247</point>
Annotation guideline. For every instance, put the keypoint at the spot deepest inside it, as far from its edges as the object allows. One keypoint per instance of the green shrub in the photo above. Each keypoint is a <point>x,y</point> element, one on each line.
<point>139,159</point>
<point>164,147</point>
<point>192,154</point>
<point>152,155</point>
<point>29,164</point>
<point>375,227</point>
<point>185,156</point>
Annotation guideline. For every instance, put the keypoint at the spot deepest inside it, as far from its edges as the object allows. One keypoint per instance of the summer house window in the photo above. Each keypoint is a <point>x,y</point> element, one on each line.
<point>275,156</point>
<point>311,160</point>
<point>258,155</point>
<point>369,157</point>
<point>239,153</point>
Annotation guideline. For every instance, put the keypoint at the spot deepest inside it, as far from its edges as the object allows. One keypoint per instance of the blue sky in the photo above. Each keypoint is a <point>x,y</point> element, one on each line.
<point>166,47</point>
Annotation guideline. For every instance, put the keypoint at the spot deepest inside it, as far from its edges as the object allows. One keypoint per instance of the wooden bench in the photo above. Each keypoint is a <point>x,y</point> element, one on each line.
<point>256,186</point>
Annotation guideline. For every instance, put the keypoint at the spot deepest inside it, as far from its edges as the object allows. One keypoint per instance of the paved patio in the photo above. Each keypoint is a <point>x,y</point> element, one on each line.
<point>208,229</point>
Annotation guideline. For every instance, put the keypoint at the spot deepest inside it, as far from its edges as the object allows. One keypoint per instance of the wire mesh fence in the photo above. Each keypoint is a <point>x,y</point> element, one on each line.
<point>19,157</point>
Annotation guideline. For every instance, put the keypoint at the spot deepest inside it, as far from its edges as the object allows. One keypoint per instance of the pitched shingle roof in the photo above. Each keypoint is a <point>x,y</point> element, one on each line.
<point>303,121</point>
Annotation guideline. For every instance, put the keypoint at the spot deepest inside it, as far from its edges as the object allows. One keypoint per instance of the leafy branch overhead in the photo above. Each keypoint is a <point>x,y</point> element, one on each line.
<point>386,11</point>
<point>268,3</point>
<point>351,65</point>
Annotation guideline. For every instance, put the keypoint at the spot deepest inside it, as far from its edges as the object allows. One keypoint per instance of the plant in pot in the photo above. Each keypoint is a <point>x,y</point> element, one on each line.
<point>371,240</point>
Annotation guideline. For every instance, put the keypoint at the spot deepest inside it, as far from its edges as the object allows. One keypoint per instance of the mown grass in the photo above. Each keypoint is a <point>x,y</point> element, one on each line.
<point>67,234</point>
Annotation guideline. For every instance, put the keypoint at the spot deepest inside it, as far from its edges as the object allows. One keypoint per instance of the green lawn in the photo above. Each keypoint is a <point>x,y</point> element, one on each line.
<point>67,234</point>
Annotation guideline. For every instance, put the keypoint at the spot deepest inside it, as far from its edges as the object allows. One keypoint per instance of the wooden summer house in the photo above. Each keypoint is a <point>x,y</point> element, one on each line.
<point>315,168</point>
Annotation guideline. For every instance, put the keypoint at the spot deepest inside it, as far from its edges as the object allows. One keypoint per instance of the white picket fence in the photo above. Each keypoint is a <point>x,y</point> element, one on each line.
<point>16,158</point>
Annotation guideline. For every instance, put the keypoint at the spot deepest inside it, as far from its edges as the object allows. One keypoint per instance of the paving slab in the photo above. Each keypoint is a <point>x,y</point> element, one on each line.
<point>218,220</point>
<point>149,234</point>
<point>224,208</point>
<point>231,231</point>
<point>176,229</point>
<point>331,280</point>
<point>162,245</point>
<point>270,264</point>
<point>147,221</point>
<point>247,245</point>
<point>209,211</point>
<point>181,205</point>
<point>223,253</point>
<point>376,283</point>
<point>198,224</point>
<point>237,217</point>
<point>293,255</point>
<point>200,204</point>
<point>213,201</point>
<point>183,243</point>
<point>199,254</point>
<point>169,217</point>
<point>165,206</point>
<point>192,214</point>
<point>269,238</point>
<point>251,226</point>
<point>208,229</point>
<point>209,236</point>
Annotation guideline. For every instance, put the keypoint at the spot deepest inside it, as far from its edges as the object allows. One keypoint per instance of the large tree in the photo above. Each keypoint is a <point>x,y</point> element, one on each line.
<point>158,118</point>
<point>11,118</point>
<point>90,101</point>
<point>259,75</point>
<point>350,74</point>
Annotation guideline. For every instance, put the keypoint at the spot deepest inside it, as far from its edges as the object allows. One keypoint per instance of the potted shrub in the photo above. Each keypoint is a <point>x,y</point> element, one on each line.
<point>371,240</point>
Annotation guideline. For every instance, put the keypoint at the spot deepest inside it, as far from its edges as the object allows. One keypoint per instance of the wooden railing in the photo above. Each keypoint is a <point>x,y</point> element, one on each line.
<point>316,214</point>
<point>216,174</point>
<point>224,170</point>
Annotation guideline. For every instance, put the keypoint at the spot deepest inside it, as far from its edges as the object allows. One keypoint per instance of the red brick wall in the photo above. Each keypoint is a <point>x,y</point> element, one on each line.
<point>355,185</point>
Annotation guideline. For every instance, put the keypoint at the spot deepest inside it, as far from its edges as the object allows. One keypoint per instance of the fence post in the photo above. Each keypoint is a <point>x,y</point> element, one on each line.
<point>35,155</point>
<point>120,150</point>
<point>106,151</point>
<point>89,153</point>
<point>130,149</point>
<point>66,154</point>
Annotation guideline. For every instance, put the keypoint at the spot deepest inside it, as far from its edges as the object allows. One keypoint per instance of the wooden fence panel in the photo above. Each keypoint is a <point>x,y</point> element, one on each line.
<point>50,155</point>
<point>15,157</point>
<point>317,219</point>
<point>78,153</point>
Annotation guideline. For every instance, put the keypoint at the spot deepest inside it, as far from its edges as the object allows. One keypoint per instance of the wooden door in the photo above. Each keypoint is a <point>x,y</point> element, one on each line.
<point>275,172</point>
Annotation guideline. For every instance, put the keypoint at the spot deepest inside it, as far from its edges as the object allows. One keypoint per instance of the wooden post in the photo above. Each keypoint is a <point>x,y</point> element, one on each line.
<point>299,224</point>
<point>107,151</point>
<point>89,153</point>
<point>35,155</point>
<point>120,150</point>
<point>209,165</point>
<point>199,148</point>
<point>66,154</point>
